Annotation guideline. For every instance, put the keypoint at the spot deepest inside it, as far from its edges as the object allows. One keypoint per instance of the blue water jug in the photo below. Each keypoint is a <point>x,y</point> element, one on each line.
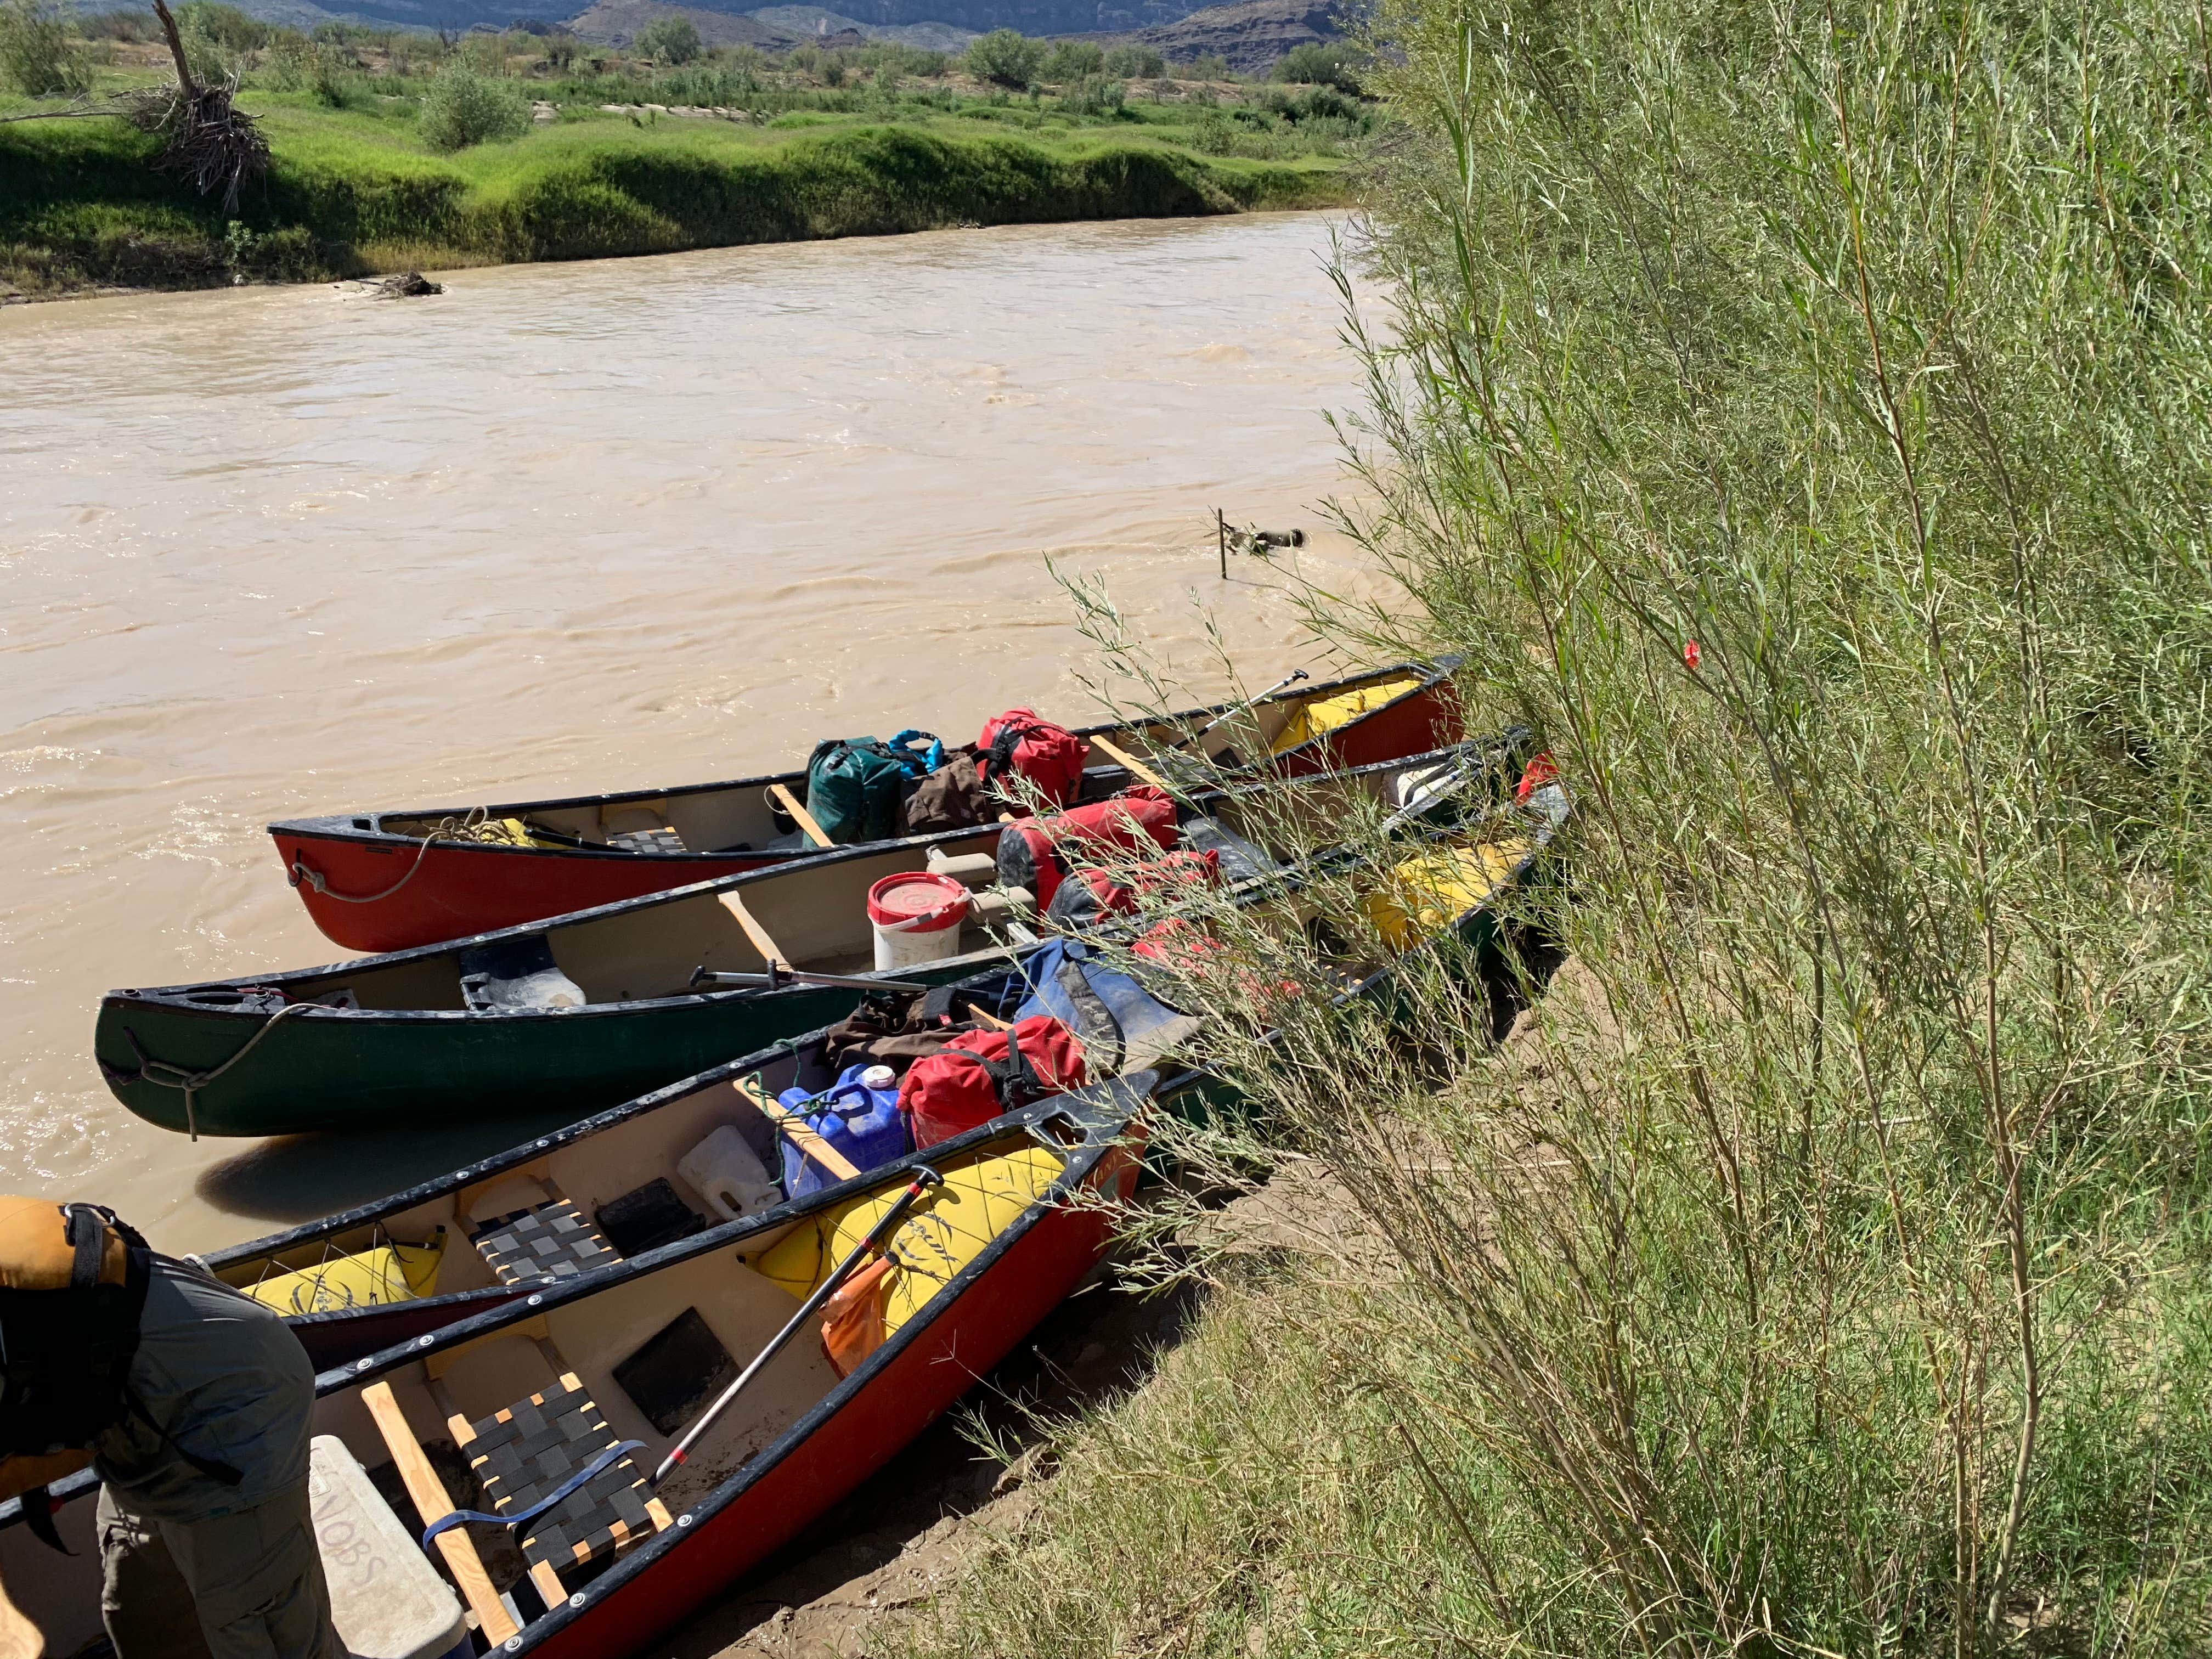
<point>862,1122</point>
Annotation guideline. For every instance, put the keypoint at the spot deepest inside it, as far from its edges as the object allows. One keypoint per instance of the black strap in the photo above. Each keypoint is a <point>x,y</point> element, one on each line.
<point>39,1516</point>
<point>999,756</point>
<point>1100,1033</point>
<point>82,1227</point>
<point>1016,1078</point>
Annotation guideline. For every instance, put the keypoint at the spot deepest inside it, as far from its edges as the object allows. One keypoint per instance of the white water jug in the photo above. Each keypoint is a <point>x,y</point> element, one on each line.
<point>726,1171</point>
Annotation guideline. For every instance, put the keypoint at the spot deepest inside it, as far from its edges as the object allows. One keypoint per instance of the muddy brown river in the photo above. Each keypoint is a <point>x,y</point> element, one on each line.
<point>577,527</point>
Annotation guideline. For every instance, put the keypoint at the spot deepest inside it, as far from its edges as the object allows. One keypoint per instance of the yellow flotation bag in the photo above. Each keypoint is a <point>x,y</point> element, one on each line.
<point>367,1278</point>
<point>1324,714</point>
<point>1425,894</point>
<point>948,1229</point>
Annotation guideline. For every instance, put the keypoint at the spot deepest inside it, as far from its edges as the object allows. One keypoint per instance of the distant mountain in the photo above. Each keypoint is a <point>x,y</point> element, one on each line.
<point>1250,35</point>
<point>618,23</point>
<point>814,22</point>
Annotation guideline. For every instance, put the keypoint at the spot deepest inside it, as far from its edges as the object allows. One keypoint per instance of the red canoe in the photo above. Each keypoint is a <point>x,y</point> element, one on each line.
<point>390,881</point>
<point>600,1370</point>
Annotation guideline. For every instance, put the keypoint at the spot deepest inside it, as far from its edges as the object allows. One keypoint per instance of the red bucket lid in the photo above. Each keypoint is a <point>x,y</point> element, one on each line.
<point>918,903</point>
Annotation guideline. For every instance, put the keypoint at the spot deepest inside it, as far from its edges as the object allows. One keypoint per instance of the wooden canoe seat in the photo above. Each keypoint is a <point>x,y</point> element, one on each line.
<point>551,1239</point>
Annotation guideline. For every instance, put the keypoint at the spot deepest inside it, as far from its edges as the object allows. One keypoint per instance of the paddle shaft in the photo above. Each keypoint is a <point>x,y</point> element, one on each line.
<point>1287,680</point>
<point>924,1179</point>
<point>785,974</point>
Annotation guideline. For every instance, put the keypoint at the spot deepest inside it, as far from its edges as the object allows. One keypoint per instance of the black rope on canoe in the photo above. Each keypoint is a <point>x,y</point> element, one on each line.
<point>190,1082</point>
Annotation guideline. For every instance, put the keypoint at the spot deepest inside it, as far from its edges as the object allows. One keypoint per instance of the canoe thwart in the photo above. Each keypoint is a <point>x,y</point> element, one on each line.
<point>431,1501</point>
<point>1129,763</point>
<point>800,816</point>
<point>770,951</point>
<point>795,1129</point>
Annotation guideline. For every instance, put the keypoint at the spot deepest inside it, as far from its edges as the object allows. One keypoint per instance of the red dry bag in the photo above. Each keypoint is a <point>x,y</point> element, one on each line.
<point>1087,897</point>
<point>1038,853</point>
<point>966,1085</point>
<point>1018,744</point>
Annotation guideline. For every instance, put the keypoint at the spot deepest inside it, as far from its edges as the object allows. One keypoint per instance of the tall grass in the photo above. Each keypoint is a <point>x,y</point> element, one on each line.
<point>1797,418</point>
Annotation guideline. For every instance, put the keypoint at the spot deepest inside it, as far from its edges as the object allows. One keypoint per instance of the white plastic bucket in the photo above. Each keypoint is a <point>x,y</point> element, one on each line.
<point>917,918</point>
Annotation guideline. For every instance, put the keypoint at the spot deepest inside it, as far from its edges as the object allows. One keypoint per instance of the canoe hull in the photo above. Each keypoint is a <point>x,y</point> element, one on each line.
<point>401,893</point>
<point>373,1071</point>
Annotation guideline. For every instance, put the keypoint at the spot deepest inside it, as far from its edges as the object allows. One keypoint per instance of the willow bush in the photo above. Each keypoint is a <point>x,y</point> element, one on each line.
<point>1796,415</point>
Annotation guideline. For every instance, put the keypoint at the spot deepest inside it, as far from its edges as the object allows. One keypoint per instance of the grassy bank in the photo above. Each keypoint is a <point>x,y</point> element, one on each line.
<point>1796,417</point>
<point>351,192</point>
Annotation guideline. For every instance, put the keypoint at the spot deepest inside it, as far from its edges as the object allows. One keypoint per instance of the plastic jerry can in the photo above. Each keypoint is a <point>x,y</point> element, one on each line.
<point>726,1171</point>
<point>858,1115</point>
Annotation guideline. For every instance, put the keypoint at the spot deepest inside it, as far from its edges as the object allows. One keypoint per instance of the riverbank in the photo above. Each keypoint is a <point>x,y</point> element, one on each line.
<point>353,192</point>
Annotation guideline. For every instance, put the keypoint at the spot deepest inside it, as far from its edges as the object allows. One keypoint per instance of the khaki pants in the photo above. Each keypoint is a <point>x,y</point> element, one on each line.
<point>244,1586</point>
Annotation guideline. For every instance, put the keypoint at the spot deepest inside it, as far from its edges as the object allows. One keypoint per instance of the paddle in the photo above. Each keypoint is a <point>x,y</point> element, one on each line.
<point>924,1179</point>
<point>1289,679</point>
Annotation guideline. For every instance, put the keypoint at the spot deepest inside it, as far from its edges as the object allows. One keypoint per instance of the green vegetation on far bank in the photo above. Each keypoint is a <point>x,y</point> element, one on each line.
<point>395,150</point>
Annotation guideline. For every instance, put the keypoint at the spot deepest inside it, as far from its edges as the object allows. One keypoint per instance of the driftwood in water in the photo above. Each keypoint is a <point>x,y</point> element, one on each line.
<point>212,142</point>
<point>405,285</point>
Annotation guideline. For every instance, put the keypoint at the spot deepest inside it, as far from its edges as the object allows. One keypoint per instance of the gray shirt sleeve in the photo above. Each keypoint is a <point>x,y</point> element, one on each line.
<point>228,1381</point>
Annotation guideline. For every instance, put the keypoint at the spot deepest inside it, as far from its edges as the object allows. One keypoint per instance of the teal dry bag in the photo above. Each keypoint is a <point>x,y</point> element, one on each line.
<point>853,790</point>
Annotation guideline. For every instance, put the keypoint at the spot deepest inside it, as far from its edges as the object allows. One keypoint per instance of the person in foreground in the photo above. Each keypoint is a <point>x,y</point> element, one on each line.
<point>191,1402</point>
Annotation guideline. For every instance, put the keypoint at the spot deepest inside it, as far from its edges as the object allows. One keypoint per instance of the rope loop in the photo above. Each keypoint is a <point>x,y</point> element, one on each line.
<point>192,1082</point>
<point>468,828</point>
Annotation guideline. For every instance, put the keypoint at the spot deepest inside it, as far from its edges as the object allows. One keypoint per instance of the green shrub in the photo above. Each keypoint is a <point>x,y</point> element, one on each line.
<point>223,25</point>
<point>36,55</point>
<point>670,40</point>
<point>1762,413</point>
<point>1135,62</point>
<point>1072,60</point>
<point>1093,95</point>
<point>461,108</point>
<point>1326,63</point>
<point>1005,58</point>
<point>1206,66</point>
<point>133,25</point>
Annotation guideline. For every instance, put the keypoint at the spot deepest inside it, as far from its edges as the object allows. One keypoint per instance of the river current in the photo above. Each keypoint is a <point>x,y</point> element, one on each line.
<point>567,528</point>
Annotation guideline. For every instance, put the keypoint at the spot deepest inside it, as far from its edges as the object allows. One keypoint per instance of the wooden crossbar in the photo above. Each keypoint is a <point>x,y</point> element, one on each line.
<point>795,1129</point>
<point>432,1503</point>
<point>1129,763</point>
<point>800,815</point>
<point>734,902</point>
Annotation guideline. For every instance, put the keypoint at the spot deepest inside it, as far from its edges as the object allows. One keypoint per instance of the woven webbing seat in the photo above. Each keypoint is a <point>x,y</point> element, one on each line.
<point>523,1453</point>
<point>547,1241</point>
